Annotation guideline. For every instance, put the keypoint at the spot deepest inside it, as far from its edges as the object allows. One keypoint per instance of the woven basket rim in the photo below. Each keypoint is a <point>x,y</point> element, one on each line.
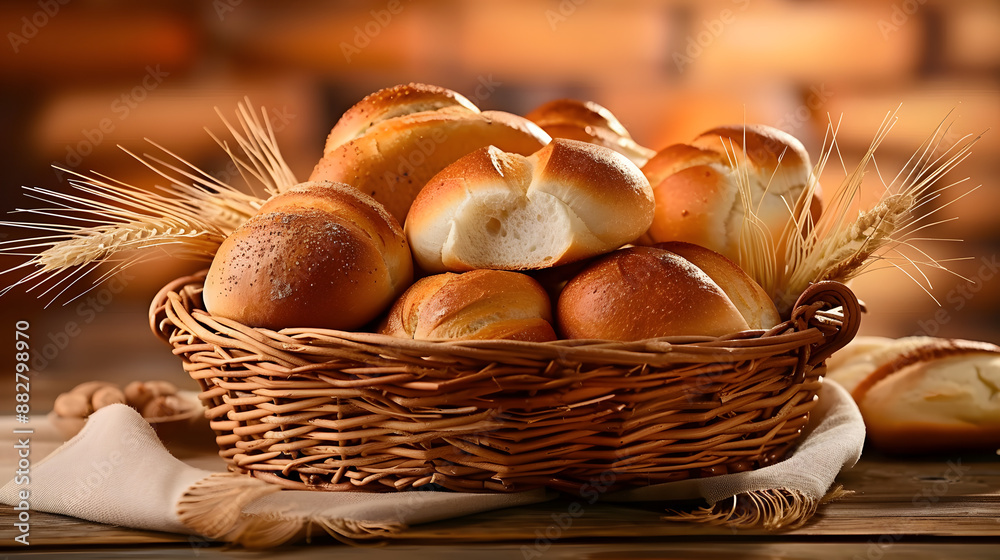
<point>827,303</point>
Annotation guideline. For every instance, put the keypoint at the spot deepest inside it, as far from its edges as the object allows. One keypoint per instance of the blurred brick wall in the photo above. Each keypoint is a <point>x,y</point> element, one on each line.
<point>82,76</point>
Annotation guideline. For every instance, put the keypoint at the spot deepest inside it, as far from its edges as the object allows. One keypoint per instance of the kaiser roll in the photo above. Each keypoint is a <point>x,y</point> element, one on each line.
<point>480,304</point>
<point>494,209</point>
<point>697,187</point>
<point>414,131</point>
<point>645,292</point>
<point>588,122</point>
<point>319,255</point>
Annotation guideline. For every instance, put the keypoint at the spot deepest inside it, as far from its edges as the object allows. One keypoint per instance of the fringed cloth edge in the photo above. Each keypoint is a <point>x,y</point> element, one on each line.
<point>214,507</point>
<point>772,509</point>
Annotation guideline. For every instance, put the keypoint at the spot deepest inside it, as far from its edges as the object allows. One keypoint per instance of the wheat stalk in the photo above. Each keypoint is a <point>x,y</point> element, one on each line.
<point>840,246</point>
<point>109,222</point>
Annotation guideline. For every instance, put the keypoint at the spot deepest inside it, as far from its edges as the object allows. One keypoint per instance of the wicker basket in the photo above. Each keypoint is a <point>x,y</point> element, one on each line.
<point>332,410</point>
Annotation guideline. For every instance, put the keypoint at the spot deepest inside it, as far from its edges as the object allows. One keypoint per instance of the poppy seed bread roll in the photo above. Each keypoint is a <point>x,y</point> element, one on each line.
<point>319,255</point>
<point>480,304</point>
<point>391,143</point>
<point>493,209</point>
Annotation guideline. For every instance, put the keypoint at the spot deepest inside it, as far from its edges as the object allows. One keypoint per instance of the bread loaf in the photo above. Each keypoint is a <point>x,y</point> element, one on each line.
<point>588,122</point>
<point>480,304</point>
<point>391,143</point>
<point>318,255</point>
<point>494,209</point>
<point>925,394</point>
<point>645,292</point>
<point>697,187</point>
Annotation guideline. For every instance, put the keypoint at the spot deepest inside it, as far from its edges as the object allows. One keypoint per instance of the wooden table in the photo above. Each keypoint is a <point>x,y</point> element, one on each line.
<point>930,507</point>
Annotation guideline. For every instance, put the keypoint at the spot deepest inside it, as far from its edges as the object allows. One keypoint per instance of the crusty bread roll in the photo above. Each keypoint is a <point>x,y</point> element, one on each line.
<point>645,292</point>
<point>697,190</point>
<point>588,121</point>
<point>414,135</point>
<point>923,394</point>
<point>389,103</point>
<point>493,209</point>
<point>749,298</point>
<point>318,255</point>
<point>480,304</point>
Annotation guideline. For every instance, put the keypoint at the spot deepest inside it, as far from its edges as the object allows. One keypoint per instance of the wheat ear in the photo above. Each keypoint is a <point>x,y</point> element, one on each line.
<point>840,247</point>
<point>109,222</point>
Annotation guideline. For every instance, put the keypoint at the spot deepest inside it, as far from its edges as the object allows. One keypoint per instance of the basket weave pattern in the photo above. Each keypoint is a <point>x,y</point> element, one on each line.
<point>333,410</point>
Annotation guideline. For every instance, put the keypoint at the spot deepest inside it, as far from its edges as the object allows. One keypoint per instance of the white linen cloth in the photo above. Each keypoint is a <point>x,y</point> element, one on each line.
<point>116,471</point>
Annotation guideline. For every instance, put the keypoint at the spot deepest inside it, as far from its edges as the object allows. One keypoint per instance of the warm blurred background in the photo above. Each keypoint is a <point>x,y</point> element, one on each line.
<point>82,76</point>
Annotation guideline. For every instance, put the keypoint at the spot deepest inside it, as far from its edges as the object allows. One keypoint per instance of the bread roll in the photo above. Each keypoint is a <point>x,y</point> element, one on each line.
<point>319,255</point>
<point>415,134</point>
<point>493,209</point>
<point>930,395</point>
<point>645,292</point>
<point>749,298</point>
<point>588,122</point>
<point>480,304</point>
<point>389,103</point>
<point>698,195</point>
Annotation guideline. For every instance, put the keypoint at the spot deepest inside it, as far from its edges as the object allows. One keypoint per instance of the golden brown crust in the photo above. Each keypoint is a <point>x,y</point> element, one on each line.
<point>644,292</point>
<point>480,304</point>
<point>932,349</point>
<point>697,187</point>
<point>591,122</point>
<point>749,298</point>
<point>321,255</point>
<point>395,158</point>
<point>926,394</point>
<point>387,103</point>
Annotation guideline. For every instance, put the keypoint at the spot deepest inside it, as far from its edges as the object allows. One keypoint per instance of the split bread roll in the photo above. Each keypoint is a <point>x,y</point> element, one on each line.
<point>697,191</point>
<point>494,209</point>
<point>588,122</point>
<point>319,255</point>
<point>480,304</point>
<point>925,394</point>
<point>393,141</point>
<point>647,292</point>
